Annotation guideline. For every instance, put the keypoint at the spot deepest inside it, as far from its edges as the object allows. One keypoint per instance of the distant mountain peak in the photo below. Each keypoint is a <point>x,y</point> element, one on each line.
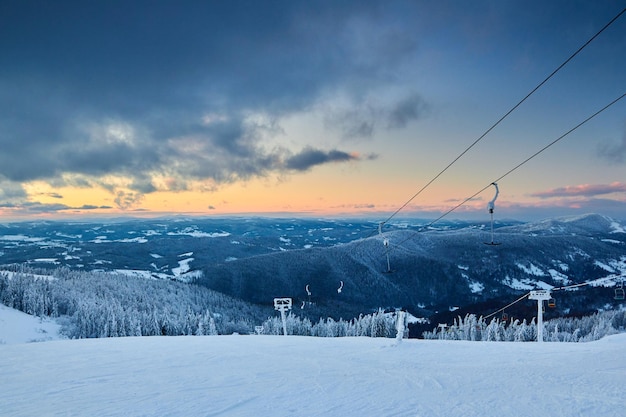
<point>585,223</point>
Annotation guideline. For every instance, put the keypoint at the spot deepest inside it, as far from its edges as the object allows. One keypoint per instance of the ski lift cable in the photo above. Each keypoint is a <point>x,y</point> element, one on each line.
<point>503,117</point>
<point>403,206</point>
<point>607,278</point>
<point>507,306</point>
<point>515,168</point>
<point>381,224</point>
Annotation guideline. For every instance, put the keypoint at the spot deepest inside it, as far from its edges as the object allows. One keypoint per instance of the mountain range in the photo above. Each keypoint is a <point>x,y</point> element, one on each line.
<point>346,267</point>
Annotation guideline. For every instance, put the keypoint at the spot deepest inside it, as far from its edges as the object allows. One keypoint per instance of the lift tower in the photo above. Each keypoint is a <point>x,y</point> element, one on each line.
<point>540,296</point>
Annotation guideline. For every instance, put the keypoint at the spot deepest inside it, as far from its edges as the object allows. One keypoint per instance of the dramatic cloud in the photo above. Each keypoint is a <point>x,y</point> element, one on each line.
<point>125,200</point>
<point>24,208</point>
<point>11,192</point>
<point>584,190</point>
<point>87,90</point>
<point>35,207</point>
<point>406,110</point>
<point>92,207</point>
<point>310,157</point>
<point>136,97</point>
<point>361,119</point>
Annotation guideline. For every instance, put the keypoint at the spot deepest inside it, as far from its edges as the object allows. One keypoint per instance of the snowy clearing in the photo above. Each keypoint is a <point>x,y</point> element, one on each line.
<point>18,327</point>
<point>307,376</point>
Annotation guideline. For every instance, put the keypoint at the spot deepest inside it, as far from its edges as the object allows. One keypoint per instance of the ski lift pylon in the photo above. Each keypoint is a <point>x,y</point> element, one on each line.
<point>386,245</point>
<point>308,293</point>
<point>491,207</point>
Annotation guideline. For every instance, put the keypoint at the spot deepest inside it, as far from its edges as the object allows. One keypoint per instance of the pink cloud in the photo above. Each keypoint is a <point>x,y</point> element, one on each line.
<point>583,190</point>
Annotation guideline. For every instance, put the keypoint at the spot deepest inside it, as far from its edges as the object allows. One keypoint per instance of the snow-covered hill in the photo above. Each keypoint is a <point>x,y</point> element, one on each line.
<point>438,270</point>
<point>305,376</point>
<point>435,270</point>
<point>18,327</point>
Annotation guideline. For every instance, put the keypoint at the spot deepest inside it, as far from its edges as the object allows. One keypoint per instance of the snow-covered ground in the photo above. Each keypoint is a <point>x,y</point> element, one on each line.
<point>305,376</point>
<point>18,327</point>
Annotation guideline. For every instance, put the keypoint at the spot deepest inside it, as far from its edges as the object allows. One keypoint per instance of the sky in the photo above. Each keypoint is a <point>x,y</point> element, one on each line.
<point>325,108</point>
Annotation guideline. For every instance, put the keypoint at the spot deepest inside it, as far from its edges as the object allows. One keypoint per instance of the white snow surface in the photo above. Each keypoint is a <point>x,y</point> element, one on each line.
<point>18,327</point>
<point>524,284</point>
<point>617,228</point>
<point>193,232</point>
<point>307,376</point>
<point>476,287</point>
<point>604,266</point>
<point>558,276</point>
<point>531,269</point>
<point>183,267</point>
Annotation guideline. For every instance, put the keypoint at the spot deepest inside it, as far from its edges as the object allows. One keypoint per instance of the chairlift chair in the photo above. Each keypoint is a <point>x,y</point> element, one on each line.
<point>619,291</point>
<point>551,303</point>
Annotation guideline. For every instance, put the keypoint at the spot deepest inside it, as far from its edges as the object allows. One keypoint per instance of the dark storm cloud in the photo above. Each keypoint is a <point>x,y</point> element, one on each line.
<point>406,110</point>
<point>10,191</point>
<point>160,67</point>
<point>91,207</point>
<point>36,207</point>
<point>361,118</point>
<point>310,157</point>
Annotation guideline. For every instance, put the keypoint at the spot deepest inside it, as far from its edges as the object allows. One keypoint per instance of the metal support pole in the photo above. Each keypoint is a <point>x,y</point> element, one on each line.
<point>539,320</point>
<point>284,319</point>
<point>491,211</point>
<point>282,305</point>
<point>387,253</point>
<point>540,296</point>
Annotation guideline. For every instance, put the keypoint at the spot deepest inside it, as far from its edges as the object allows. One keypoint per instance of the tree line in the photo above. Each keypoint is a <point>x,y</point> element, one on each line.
<point>91,304</point>
<point>97,304</point>
<point>562,329</point>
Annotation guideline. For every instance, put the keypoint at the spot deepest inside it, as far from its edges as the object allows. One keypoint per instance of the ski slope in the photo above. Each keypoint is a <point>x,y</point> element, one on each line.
<point>18,327</point>
<point>305,376</point>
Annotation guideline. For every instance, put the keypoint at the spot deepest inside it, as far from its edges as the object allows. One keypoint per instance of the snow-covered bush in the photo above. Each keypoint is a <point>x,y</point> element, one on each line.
<point>561,329</point>
<point>379,324</point>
